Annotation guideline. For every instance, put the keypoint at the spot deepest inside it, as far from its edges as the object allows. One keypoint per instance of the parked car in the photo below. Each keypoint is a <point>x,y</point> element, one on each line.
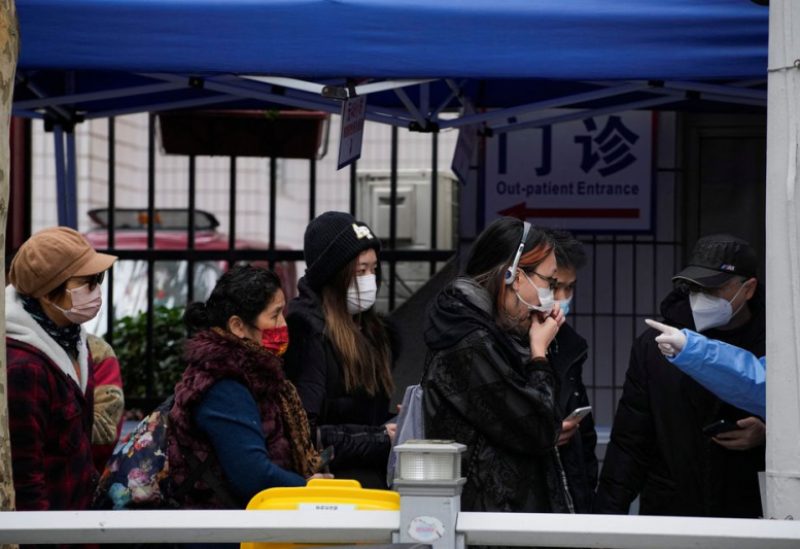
<point>169,277</point>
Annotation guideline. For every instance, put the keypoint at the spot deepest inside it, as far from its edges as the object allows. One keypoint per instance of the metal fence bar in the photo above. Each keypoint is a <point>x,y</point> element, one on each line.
<point>151,199</point>
<point>328,527</point>
<point>62,196</point>
<point>191,228</point>
<point>312,189</point>
<point>273,208</point>
<point>41,527</point>
<point>434,197</point>
<point>625,531</point>
<point>614,316</point>
<point>261,254</point>
<point>232,211</point>
<point>111,239</point>
<point>393,219</point>
<point>353,182</point>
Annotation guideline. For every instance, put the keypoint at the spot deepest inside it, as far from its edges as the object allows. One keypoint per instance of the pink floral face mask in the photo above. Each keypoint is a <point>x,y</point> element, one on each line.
<point>86,304</point>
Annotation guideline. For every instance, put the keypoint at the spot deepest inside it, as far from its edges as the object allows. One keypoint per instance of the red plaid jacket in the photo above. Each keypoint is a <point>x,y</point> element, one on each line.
<point>51,432</point>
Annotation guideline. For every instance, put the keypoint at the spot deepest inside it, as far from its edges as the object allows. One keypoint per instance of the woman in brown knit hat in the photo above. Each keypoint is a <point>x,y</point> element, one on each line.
<point>233,404</point>
<point>55,286</point>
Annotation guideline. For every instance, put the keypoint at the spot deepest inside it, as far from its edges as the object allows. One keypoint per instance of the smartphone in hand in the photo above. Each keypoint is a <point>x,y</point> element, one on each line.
<point>326,456</point>
<point>578,414</point>
<point>719,427</point>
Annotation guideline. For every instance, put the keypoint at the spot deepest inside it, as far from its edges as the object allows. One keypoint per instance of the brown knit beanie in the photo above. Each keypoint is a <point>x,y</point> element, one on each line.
<point>52,256</point>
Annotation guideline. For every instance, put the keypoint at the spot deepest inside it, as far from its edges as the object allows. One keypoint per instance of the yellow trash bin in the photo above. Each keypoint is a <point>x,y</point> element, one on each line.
<point>322,494</point>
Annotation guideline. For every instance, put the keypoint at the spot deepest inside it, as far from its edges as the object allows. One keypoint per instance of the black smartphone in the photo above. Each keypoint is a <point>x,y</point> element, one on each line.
<point>325,458</point>
<point>719,427</point>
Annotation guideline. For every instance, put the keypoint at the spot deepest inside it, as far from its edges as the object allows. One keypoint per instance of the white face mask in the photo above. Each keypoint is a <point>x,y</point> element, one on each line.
<point>546,298</point>
<point>709,311</point>
<point>564,303</point>
<point>362,293</point>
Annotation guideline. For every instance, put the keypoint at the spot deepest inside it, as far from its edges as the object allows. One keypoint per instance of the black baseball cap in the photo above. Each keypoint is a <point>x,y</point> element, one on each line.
<point>718,258</point>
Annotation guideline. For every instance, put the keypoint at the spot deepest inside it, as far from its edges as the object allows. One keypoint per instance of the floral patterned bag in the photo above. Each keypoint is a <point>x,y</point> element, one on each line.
<point>137,474</point>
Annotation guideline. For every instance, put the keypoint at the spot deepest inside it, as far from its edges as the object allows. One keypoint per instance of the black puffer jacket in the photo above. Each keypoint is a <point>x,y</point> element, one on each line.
<point>657,447</point>
<point>567,354</point>
<point>482,390</point>
<point>351,422</point>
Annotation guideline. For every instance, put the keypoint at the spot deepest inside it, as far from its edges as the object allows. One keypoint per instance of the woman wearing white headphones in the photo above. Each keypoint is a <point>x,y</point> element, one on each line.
<point>488,382</point>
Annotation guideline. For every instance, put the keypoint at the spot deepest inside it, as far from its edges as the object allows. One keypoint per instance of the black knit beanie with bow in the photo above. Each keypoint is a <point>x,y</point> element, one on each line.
<point>333,240</point>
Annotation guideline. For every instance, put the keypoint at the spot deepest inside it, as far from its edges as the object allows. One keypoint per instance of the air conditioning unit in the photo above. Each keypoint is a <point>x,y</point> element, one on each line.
<point>413,206</point>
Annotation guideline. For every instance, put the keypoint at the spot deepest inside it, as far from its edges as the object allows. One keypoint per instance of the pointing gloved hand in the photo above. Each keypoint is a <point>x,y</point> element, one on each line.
<point>671,341</point>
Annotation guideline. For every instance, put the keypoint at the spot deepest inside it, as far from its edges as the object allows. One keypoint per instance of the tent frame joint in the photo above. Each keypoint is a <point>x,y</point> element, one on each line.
<point>428,127</point>
<point>335,92</point>
<point>67,125</point>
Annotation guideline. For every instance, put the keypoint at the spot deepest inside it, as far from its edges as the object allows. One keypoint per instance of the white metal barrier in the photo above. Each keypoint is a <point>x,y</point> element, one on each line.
<point>552,530</point>
<point>428,479</point>
<point>626,531</point>
<point>36,527</point>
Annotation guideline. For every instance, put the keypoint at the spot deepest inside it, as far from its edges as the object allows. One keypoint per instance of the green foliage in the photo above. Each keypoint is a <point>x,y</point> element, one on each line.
<point>130,345</point>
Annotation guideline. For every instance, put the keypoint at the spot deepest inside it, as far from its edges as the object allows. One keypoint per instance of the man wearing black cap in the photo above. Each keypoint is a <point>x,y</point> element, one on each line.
<point>658,449</point>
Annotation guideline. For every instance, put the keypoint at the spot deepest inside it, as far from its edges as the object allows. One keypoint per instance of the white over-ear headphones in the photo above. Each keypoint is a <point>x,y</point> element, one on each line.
<point>511,272</point>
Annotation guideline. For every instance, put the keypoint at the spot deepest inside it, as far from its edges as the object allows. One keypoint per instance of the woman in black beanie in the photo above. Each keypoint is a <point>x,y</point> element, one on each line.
<point>340,357</point>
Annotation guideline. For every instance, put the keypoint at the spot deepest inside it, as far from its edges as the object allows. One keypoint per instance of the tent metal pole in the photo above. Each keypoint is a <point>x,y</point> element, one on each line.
<point>425,98</point>
<point>319,103</point>
<point>331,107</point>
<point>291,83</point>
<point>237,88</point>
<point>318,89</point>
<point>444,104</point>
<point>540,105</point>
<point>734,100</point>
<point>578,115</point>
<point>412,108</point>
<point>60,111</point>
<point>458,92</point>
<point>387,85</point>
<point>729,93</point>
<point>716,89</point>
<point>156,107</point>
<point>22,113</point>
<point>98,96</point>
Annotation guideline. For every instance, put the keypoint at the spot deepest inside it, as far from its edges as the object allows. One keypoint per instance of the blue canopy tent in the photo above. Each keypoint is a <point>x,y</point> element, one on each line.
<point>83,59</point>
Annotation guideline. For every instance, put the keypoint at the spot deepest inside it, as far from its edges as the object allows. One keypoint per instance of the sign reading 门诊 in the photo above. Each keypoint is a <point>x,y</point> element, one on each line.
<point>593,174</point>
<point>354,112</point>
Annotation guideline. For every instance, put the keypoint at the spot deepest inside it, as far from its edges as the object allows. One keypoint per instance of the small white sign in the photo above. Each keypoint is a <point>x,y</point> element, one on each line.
<point>425,529</point>
<point>354,113</point>
<point>326,507</point>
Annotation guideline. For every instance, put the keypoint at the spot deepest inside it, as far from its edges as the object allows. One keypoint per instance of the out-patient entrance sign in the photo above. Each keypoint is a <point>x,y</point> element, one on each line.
<point>593,174</point>
<point>354,112</point>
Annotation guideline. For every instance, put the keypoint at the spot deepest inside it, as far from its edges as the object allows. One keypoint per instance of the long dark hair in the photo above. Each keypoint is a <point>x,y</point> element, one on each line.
<point>243,291</point>
<point>493,253</point>
<point>361,341</point>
